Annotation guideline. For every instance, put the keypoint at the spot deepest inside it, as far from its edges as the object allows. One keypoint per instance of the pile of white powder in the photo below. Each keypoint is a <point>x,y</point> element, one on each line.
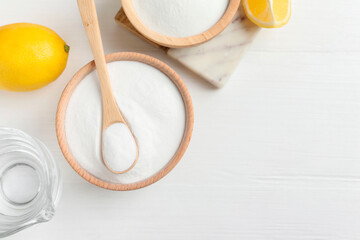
<point>180,18</point>
<point>152,107</point>
<point>119,147</point>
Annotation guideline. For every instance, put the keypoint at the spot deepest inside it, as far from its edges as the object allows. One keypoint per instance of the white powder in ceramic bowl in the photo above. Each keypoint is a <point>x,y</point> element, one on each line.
<point>152,106</point>
<point>180,18</point>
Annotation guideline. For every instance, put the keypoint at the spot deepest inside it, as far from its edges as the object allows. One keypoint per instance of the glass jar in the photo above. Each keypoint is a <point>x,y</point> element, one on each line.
<point>30,183</point>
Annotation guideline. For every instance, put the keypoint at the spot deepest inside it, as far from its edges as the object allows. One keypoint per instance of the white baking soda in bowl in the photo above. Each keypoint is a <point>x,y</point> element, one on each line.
<point>180,18</point>
<point>152,107</point>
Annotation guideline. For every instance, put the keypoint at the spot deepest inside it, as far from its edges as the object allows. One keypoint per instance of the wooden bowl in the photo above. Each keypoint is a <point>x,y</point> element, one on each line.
<point>80,75</point>
<point>176,42</point>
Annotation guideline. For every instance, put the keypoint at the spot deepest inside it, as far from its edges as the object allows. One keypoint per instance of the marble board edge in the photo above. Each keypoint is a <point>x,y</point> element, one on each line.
<point>229,46</point>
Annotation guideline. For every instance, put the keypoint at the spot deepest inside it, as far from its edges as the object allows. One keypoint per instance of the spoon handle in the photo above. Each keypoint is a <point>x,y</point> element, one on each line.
<point>111,112</point>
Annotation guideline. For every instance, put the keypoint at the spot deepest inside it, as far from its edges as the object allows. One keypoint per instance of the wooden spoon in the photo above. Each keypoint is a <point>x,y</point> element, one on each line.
<point>112,116</point>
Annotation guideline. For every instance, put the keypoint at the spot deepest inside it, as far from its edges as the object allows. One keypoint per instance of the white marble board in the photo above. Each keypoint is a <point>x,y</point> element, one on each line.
<point>216,59</point>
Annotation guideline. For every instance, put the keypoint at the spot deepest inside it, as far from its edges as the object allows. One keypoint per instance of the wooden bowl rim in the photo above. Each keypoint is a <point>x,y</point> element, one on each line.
<point>79,76</point>
<point>178,42</point>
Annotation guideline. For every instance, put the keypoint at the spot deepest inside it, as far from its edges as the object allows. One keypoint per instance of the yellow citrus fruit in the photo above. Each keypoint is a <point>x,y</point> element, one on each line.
<point>268,13</point>
<point>31,56</point>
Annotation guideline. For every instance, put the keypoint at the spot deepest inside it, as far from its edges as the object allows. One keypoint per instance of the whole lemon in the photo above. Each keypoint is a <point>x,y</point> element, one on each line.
<point>31,56</point>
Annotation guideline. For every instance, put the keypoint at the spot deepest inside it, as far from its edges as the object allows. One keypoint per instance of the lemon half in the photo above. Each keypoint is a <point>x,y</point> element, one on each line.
<point>268,13</point>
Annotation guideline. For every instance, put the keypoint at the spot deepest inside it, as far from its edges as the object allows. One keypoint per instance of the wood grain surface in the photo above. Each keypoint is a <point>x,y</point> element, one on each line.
<point>275,154</point>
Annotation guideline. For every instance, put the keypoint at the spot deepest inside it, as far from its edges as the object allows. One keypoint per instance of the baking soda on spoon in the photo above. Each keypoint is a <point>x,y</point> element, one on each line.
<point>119,147</point>
<point>180,18</point>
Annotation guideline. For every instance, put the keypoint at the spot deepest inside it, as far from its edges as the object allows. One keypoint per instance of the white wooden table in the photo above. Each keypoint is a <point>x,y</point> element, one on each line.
<point>274,155</point>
